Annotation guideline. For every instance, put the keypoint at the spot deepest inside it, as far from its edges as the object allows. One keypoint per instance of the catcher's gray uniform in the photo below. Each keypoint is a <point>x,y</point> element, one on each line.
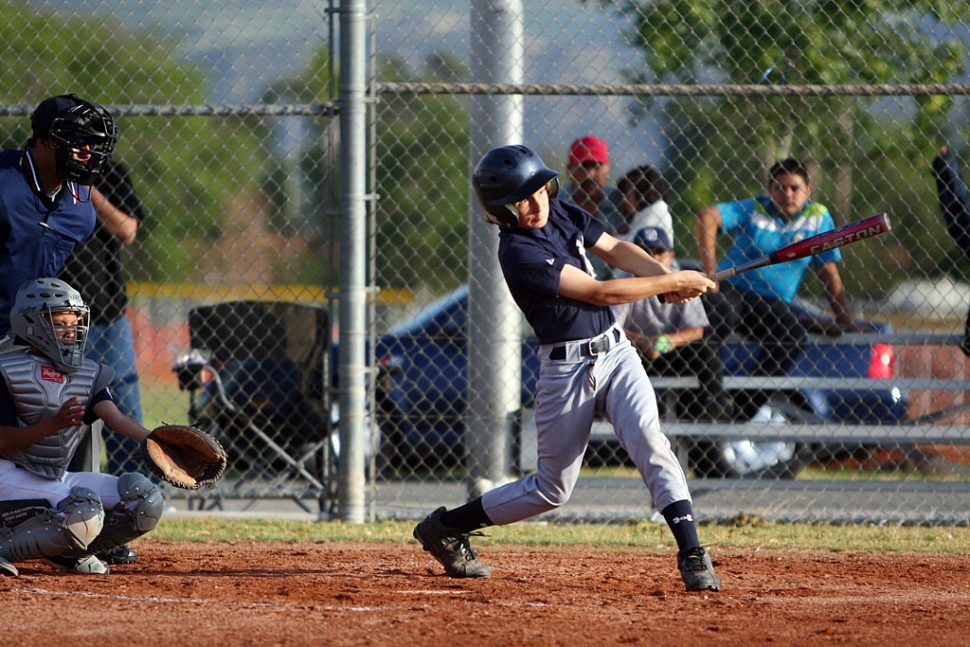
<point>79,512</point>
<point>575,383</point>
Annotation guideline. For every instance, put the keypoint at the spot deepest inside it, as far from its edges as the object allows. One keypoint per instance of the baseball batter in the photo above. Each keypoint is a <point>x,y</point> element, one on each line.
<point>587,364</point>
<point>49,392</point>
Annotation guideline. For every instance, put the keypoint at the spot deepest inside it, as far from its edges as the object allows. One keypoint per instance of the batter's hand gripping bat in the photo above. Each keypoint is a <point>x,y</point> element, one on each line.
<point>844,235</point>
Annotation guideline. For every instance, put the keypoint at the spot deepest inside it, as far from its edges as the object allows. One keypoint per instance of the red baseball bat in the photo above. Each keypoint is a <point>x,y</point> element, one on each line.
<point>844,235</point>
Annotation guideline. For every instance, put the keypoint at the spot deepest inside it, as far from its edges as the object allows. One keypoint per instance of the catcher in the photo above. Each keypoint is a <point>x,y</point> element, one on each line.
<point>49,393</point>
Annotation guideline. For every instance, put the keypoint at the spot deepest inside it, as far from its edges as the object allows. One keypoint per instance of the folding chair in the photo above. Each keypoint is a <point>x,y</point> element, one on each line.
<point>256,374</point>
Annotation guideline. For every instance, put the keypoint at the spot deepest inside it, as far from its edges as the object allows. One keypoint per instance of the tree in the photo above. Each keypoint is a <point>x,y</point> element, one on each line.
<point>421,174</point>
<point>185,169</point>
<point>722,147</point>
<point>422,180</point>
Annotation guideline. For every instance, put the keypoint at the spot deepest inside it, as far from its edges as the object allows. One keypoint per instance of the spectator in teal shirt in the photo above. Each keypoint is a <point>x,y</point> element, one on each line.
<point>757,304</point>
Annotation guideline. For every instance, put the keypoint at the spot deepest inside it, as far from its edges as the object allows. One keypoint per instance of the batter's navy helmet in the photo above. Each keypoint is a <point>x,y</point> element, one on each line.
<point>506,175</point>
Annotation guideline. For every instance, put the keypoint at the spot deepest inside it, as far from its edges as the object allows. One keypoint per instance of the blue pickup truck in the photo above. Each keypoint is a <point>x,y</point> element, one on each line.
<point>423,384</point>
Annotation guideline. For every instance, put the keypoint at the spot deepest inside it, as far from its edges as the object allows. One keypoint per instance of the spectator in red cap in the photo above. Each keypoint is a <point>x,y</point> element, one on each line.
<point>589,168</point>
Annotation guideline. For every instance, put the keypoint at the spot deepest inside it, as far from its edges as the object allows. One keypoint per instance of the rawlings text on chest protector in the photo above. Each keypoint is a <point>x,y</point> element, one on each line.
<point>38,390</point>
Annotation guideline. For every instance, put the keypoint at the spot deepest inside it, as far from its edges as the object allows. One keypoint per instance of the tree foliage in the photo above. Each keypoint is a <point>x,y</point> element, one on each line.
<point>185,169</point>
<point>871,152</point>
<point>422,180</point>
<point>421,172</point>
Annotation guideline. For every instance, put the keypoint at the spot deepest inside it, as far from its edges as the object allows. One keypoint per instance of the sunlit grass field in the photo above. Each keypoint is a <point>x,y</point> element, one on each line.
<point>163,402</point>
<point>745,532</point>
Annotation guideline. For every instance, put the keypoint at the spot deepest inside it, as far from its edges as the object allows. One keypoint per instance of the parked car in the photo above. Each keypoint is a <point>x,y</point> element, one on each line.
<point>423,384</point>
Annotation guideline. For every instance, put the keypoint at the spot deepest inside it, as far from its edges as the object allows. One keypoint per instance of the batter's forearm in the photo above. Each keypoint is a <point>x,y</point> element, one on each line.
<point>628,290</point>
<point>629,258</point>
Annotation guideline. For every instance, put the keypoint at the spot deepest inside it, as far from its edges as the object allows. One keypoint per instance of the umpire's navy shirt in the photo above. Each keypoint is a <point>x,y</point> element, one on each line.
<point>37,234</point>
<point>532,260</point>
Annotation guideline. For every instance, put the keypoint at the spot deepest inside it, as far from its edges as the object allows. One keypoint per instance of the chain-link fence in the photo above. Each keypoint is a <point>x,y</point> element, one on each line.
<point>229,133</point>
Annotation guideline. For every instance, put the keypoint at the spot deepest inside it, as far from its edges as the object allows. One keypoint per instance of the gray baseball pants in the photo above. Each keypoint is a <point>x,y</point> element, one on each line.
<point>570,392</point>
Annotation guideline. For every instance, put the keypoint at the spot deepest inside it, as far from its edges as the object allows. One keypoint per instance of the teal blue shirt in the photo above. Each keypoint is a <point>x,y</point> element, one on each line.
<point>758,230</point>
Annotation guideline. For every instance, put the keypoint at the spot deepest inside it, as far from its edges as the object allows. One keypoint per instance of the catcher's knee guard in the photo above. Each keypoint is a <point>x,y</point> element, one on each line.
<point>138,512</point>
<point>67,528</point>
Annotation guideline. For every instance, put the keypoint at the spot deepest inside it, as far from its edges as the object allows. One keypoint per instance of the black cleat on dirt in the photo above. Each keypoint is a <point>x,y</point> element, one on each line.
<point>696,569</point>
<point>123,554</point>
<point>450,547</point>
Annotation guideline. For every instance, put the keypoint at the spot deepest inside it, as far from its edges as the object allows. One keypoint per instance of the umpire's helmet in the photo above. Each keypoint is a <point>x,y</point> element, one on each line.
<point>506,175</point>
<point>73,124</point>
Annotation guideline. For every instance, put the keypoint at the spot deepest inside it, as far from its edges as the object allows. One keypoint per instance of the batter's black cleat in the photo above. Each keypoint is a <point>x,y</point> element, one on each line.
<point>696,569</point>
<point>123,554</point>
<point>450,547</point>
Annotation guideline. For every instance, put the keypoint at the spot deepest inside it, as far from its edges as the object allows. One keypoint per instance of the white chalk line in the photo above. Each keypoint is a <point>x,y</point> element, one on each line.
<point>201,601</point>
<point>126,598</point>
<point>868,600</point>
<point>154,599</point>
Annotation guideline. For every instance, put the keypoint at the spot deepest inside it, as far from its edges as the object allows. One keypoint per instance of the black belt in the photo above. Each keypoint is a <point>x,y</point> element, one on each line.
<point>587,348</point>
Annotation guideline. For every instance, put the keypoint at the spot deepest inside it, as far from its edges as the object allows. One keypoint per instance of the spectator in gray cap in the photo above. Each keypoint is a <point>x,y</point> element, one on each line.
<point>671,338</point>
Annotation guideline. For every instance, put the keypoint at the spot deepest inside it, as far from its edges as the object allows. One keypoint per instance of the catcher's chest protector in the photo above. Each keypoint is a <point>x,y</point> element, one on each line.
<point>38,390</point>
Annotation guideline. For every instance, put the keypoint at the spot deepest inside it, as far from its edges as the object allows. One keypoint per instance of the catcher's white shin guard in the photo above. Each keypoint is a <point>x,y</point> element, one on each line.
<point>138,512</point>
<point>70,527</point>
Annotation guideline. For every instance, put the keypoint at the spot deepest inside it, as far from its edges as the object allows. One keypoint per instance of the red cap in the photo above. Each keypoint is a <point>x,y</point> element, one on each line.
<point>588,149</point>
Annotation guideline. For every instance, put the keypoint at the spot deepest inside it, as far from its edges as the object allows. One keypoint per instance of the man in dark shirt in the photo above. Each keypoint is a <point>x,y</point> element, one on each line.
<point>45,197</point>
<point>952,195</point>
<point>96,269</point>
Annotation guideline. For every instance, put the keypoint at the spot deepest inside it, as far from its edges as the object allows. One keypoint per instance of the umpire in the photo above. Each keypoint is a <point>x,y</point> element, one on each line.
<point>588,365</point>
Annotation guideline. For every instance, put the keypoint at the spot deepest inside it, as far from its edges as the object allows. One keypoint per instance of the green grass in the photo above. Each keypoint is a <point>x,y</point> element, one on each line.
<point>745,532</point>
<point>162,402</point>
<point>833,473</point>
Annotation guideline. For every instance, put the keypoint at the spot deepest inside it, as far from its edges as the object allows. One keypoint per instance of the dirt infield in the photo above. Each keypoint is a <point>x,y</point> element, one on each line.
<point>244,593</point>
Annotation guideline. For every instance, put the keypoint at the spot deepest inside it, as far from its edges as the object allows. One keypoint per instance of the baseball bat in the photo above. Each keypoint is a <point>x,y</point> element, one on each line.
<point>838,237</point>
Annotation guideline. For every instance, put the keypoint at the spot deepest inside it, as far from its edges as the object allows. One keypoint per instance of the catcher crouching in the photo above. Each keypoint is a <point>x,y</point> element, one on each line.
<point>49,395</point>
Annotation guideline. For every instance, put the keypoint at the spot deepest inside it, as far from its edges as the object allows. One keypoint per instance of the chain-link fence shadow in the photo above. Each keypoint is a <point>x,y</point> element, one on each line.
<point>229,127</point>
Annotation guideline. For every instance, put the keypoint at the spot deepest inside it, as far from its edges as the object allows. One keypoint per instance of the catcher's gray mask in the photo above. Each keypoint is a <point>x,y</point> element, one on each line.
<point>31,319</point>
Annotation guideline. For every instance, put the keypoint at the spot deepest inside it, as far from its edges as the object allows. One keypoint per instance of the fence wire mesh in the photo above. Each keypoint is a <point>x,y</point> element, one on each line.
<point>229,132</point>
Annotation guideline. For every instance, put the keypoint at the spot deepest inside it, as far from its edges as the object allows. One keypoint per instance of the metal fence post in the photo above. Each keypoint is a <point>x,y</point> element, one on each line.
<point>353,262</point>
<point>494,356</point>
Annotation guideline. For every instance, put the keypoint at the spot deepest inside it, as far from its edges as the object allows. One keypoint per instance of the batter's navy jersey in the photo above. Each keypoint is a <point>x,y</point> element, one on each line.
<point>36,234</point>
<point>532,260</point>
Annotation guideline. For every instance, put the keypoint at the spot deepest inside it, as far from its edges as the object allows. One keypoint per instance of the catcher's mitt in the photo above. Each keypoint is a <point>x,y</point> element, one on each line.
<point>186,457</point>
